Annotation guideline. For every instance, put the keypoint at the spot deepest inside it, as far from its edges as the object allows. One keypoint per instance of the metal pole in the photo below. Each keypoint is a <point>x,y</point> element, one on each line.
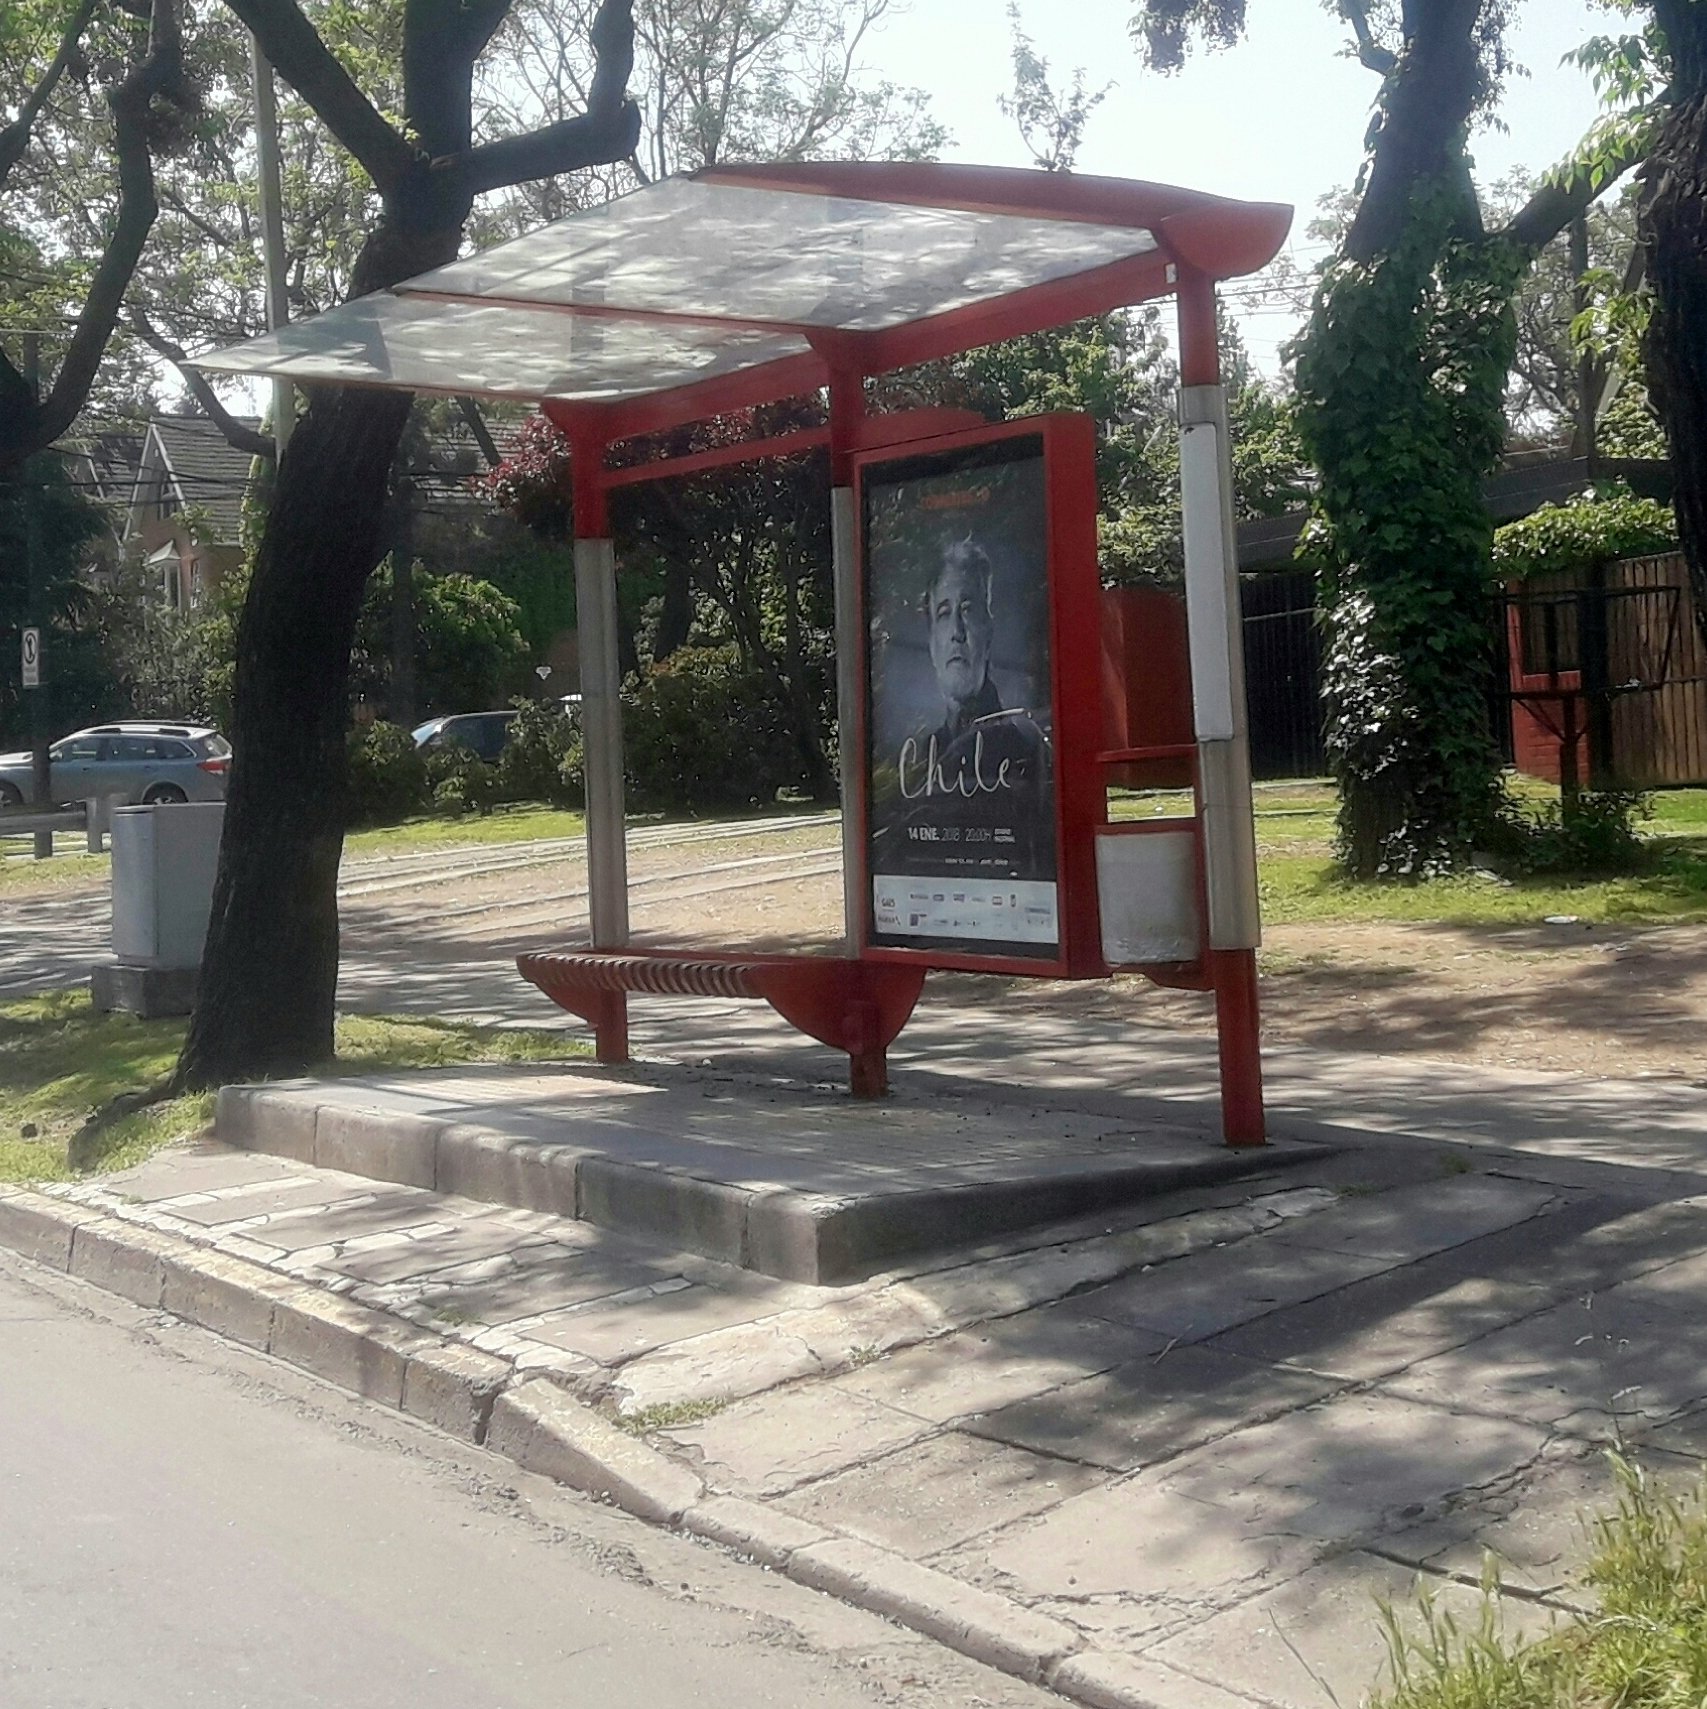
<point>847,405</point>
<point>1216,634</point>
<point>272,227</point>
<point>41,774</point>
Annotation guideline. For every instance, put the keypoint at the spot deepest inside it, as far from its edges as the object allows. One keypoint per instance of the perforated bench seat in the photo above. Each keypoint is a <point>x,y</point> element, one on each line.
<point>851,1005</point>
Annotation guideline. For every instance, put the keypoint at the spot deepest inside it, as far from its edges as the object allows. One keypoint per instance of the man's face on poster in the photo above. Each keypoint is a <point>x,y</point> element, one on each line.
<point>960,623</point>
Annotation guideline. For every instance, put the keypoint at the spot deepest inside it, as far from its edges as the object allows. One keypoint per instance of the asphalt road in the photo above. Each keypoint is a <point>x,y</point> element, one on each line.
<point>183,1524</point>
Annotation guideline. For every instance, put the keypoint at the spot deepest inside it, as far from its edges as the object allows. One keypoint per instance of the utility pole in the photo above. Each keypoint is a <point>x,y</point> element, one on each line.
<point>272,228</point>
<point>41,777</point>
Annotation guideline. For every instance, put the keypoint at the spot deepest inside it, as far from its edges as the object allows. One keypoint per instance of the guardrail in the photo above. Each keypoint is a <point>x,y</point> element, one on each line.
<point>93,818</point>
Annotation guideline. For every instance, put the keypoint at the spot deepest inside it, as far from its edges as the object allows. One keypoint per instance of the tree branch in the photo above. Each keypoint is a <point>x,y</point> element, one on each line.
<point>470,411</point>
<point>15,137</point>
<point>608,130</point>
<point>304,61</point>
<point>238,436</point>
<point>1560,199</point>
<point>159,77</point>
<point>1370,53</point>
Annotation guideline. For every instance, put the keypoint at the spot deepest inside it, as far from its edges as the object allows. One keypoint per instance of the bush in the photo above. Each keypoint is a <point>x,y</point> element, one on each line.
<point>702,732</point>
<point>1594,836</point>
<point>461,782</point>
<point>387,776</point>
<point>534,763</point>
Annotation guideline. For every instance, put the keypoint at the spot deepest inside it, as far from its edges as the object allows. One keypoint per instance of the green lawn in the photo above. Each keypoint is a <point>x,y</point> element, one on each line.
<point>501,825</point>
<point>1295,834</point>
<point>60,1061</point>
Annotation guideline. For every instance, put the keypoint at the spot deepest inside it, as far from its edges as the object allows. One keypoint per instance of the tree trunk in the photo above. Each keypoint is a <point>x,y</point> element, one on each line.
<point>270,966</point>
<point>1674,237</point>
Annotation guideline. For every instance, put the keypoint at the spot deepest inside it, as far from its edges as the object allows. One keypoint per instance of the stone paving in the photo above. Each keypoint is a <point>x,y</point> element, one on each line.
<point>1202,1434</point>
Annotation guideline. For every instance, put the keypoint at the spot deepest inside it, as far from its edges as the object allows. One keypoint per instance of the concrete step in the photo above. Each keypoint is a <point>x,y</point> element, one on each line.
<point>792,1181</point>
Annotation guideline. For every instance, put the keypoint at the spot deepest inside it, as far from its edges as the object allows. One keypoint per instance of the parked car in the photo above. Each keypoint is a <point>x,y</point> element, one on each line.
<point>144,763</point>
<point>483,733</point>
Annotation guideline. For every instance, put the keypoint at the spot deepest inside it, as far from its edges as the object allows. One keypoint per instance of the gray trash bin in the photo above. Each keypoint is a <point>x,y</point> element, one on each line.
<point>164,862</point>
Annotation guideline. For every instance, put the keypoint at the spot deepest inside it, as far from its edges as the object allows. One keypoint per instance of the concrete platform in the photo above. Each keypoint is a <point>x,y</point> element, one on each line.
<point>788,1180</point>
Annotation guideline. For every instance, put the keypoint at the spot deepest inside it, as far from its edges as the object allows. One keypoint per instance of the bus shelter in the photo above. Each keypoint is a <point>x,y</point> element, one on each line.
<point>965,567</point>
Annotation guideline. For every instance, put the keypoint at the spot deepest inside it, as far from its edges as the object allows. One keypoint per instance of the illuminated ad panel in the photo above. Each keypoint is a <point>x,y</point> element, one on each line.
<point>962,819</point>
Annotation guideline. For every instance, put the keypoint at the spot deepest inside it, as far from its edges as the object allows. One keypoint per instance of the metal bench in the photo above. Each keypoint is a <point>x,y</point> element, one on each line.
<point>856,1006</point>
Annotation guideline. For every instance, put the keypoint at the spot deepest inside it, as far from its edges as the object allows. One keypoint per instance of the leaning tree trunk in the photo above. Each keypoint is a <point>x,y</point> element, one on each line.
<point>1674,236</point>
<point>270,966</point>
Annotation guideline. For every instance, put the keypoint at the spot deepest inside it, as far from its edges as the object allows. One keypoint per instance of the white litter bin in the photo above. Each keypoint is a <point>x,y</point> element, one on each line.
<point>164,861</point>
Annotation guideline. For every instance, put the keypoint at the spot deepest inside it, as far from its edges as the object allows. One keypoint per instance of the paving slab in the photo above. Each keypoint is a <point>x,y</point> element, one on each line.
<point>393,1209</point>
<point>1190,1302</point>
<point>1152,1408</point>
<point>639,1321</point>
<point>1352,1466</point>
<point>266,1200</point>
<point>197,1168</point>
<point>1384,1324</point>
<point>1536,1528</point>
<point>1601,1365</point>
<point>1131,1558</point>
<point>1317,1642</point>
<point>773,1444</point>
<point>1412,1222</point>
<point>926,1498</point>
<point>982,1369</point>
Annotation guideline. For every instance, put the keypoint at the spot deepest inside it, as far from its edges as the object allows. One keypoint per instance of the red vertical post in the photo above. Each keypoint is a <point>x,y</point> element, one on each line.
<point>1224,806</point>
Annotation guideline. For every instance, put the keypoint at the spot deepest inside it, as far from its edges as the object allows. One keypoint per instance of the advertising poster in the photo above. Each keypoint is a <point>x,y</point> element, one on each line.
<point>960,775</point>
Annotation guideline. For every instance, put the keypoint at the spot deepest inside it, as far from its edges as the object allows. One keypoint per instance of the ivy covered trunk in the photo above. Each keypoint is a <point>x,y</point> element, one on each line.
<point>1399,384</point>
<point>1674,236</point>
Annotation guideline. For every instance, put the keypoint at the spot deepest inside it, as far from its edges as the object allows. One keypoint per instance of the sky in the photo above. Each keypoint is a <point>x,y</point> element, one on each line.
<point>1279,118</point>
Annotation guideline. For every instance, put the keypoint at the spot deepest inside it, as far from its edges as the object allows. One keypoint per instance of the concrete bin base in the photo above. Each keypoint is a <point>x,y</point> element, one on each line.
<point>146,991</point>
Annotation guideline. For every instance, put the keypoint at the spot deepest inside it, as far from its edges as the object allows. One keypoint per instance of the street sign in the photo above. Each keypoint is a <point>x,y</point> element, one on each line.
<point>32,658</point>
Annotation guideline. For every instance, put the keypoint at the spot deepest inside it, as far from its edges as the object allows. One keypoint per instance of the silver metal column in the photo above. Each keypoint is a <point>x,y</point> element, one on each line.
<point>1218,669</point>
<point>601,742</point>
<point>848,695</point>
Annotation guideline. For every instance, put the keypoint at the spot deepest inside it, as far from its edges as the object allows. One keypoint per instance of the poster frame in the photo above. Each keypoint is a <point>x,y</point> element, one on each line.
<point>1074,598</point>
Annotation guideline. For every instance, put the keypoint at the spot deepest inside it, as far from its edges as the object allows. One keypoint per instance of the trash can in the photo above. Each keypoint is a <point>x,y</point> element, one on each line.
<point>164,862</point>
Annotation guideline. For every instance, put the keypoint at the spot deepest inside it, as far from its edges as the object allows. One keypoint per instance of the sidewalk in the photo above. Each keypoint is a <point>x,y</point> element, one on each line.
<point>1164,1457</point>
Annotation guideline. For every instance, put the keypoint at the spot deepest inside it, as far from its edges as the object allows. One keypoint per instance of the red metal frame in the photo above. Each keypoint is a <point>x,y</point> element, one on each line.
<point>1069,456</point>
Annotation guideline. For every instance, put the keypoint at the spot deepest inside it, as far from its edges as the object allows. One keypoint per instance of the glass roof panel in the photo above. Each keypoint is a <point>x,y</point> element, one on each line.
<point>424,345</point>
<point>722,251</point>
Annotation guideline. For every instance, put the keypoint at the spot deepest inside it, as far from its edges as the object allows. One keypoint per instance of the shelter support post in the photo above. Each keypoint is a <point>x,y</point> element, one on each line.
<point>601,732</point>
<point>847,405</point>
<point>1218,711</point>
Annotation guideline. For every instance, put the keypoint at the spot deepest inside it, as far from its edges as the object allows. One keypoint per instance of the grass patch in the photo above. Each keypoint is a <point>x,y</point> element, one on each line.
<point>501,825</point>
<point>60,1061</point>
<point>25,875</point>
<point>1644,1648</point>
<point>667,1414</point>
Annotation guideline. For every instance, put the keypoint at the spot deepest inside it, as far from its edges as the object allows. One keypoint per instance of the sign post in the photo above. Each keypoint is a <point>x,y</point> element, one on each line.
<point>31,662</point>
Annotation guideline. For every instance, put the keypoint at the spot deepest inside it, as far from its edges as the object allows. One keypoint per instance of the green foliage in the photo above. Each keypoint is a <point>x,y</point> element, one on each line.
<point>459,781</point>
<point>1400,382</point>
<point>41,511</point>
<point>1593,834</point>
<point>703,732</point>
<point>387,778</point>
<point>1596,527</point>
<point>468,645</point>
<point>541,760</point>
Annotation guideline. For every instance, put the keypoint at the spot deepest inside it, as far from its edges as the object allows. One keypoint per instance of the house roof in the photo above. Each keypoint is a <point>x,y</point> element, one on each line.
<point>209,473</point>
<point>742,285</point>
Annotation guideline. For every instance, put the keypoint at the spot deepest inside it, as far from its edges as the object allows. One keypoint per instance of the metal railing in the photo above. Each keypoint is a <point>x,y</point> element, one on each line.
<point>93,818</point>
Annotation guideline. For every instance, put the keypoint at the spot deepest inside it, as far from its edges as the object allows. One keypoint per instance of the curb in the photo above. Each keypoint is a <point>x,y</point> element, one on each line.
<point>488,1401</point>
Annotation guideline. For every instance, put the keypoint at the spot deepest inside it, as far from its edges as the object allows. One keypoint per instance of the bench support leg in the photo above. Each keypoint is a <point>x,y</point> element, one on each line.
<point>610,1026</point>
<point>868,1073</point>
